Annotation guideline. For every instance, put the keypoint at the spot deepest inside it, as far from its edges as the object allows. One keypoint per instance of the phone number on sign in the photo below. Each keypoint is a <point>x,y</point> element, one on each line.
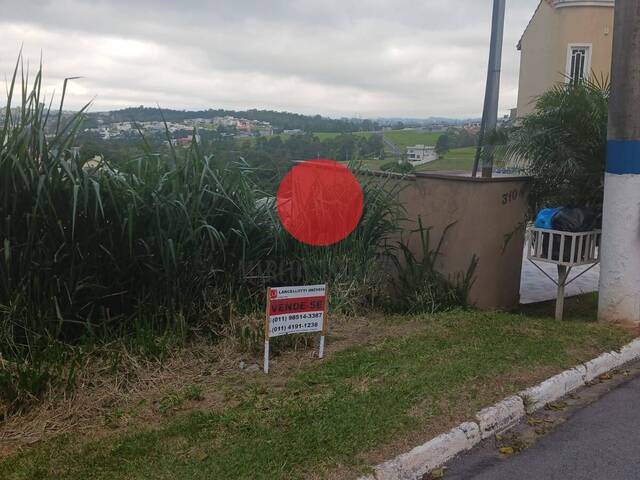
<point>294,327</point>
<point>296,316</point>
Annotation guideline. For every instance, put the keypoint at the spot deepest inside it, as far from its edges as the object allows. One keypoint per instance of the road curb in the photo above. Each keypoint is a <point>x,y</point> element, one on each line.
<point>553,388</point>
<point>421,460</point>
<point>436,452</point>
<point>631,351</point>
<point>602,364</point>
<point>501,416</point>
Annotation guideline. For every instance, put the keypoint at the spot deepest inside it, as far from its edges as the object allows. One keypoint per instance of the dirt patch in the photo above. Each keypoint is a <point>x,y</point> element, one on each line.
<point>203,376</point>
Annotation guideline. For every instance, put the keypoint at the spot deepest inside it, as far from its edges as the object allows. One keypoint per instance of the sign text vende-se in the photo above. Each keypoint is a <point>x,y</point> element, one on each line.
<point>296,310</point>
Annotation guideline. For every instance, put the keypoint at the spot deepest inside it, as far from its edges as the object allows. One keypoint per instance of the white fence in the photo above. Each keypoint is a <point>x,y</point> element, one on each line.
<point>569,249</point>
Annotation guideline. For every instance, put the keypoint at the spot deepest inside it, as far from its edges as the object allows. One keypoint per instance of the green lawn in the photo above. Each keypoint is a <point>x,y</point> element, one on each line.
<point>374,164</point>
<point>326,135</point>
<point>331,415</point>
<point>457,159</point>
<point>408,138</point>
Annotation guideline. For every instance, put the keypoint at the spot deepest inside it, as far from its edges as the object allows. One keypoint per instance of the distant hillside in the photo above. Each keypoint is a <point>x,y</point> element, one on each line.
<point>423,122</point>
<point>279,120</point>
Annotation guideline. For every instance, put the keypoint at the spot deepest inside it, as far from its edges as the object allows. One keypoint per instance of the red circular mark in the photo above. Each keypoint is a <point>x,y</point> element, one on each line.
<point>320,202</point>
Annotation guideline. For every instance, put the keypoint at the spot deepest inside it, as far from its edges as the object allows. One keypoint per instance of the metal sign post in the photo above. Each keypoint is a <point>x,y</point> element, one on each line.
<point>266,333</point>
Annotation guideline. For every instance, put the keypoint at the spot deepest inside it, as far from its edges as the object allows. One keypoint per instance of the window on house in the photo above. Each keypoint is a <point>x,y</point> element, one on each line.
<point>578,63</point>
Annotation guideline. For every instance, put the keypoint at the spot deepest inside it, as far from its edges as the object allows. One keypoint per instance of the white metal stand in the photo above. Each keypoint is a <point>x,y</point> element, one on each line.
<point>566,250</point>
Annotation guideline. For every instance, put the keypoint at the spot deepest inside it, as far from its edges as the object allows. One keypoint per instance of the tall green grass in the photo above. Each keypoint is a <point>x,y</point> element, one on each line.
<point>166,241</point>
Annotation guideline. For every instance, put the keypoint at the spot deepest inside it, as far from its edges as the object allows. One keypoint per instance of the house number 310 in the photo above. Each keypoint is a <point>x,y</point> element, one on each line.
<point>509,197</point>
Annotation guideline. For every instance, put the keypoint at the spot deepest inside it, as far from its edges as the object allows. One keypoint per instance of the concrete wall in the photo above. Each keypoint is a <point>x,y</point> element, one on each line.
<point>485,212</point>
<point>545,43</point>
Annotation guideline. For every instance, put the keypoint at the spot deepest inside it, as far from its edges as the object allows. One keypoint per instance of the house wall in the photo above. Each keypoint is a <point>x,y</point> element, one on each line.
<point>539,57</point>
<point>593,25</point>
<point>544,46</point>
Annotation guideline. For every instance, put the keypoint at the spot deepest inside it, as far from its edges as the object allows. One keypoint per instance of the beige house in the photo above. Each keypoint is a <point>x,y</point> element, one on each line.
<point>565,39</point>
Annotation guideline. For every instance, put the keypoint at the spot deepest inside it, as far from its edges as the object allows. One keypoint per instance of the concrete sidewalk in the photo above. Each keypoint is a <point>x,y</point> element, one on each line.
<point>536,287</point>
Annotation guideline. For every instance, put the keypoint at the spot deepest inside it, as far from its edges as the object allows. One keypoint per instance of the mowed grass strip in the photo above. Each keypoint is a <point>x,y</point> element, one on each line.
<point>455,160</point>
<point>331,416</point>
<point>329,135</point>
<point>409,138</point>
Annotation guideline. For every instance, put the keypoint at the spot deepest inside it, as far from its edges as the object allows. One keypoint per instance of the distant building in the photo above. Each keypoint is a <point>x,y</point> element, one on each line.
<point>265,131</point>
<point>122,126</point>
<point>565,40</point>
<point>435,128</point>
<point>295,131</point>
<point>421,154</point>
<point>505,120</point>
<point>472,127</point>
<point>183,142</point>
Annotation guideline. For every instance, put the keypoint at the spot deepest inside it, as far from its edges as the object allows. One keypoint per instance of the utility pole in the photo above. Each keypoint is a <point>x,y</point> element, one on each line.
<point>492,91</point>
<point>619,298</point>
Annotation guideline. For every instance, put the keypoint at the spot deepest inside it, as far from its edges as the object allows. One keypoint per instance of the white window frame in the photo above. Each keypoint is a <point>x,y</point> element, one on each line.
<point>587,63</point>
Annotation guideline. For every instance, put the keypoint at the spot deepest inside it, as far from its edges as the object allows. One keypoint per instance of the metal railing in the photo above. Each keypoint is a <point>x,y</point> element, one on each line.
<point>570,249</point>
<point>566,250</point>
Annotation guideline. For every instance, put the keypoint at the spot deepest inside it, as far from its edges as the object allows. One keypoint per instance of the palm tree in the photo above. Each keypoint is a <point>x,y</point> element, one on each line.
<point>562,145</point>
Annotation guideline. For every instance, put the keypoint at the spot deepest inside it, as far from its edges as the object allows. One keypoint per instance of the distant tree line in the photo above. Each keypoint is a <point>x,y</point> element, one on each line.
<point>270,156</point>
<point>279,120</point>
<point>455,138</point>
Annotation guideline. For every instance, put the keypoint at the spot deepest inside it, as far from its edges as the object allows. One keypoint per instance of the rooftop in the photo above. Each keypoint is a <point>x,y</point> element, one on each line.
<point>581,3</point>
<point>421,147</point>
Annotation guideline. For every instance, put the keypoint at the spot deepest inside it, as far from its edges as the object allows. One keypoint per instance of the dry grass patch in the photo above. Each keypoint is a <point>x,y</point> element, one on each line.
<point>141,392</point>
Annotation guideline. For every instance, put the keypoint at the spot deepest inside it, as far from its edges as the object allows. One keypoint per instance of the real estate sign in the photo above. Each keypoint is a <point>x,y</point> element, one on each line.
<point>292,310</point>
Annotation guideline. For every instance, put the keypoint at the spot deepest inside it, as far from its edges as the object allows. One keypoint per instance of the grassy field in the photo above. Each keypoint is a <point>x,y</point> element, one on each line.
<point>407,138</point>
<point>405,380</point>
<point>326,135</point>
<point>374,164</point>
<point>457,159</point>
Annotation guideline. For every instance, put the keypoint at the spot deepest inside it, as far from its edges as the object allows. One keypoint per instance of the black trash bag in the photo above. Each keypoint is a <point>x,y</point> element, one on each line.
<point>571,220</point>
<point>576,220</point>
<point>555,249</point>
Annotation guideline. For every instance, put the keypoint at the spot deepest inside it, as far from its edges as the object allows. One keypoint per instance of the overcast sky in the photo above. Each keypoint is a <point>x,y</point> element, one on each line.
<point>367,58</point>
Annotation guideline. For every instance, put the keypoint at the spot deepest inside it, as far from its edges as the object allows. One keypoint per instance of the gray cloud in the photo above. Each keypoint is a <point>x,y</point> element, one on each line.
<point>334,57</point>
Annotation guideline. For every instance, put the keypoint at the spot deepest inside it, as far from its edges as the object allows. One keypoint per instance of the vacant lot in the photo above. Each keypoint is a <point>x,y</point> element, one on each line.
<point>407,138</point>
<point>326,135</point>
<point>455,160</point>
<point>387,383</point>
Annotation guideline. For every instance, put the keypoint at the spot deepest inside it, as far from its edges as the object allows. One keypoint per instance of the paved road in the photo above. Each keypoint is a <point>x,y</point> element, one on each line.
<point>601,441</point>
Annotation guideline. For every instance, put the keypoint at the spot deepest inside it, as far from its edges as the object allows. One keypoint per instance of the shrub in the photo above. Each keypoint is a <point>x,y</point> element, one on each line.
<point>562,145</point>
<point>397,167</point>
<point>419,287</point>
